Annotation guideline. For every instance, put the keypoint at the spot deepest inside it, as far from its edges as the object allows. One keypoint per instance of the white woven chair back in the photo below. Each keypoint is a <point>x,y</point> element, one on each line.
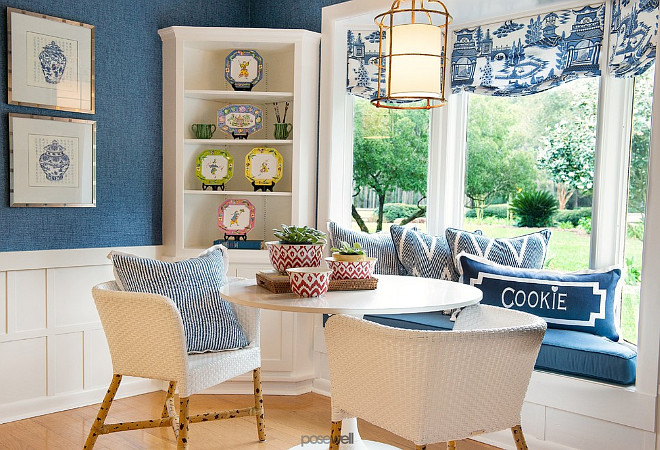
<point>433,386</point>
<point>144,332</point>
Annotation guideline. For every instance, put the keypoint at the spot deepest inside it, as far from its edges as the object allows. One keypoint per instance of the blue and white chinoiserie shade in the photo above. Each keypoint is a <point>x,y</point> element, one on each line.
<point>362,62</point>
<point>530,54</point>
<point>633,36</point>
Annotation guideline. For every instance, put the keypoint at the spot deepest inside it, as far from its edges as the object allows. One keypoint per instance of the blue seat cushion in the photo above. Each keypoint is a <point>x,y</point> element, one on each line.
<point>588,355</point>
<point>563,351</point>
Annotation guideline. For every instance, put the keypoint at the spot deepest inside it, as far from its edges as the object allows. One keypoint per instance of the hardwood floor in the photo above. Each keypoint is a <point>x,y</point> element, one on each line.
<point>287,418</point>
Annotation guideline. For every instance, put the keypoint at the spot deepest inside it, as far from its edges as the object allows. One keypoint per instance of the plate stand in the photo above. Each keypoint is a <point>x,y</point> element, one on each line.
<point>263,187</point>
<point>213,186</point>
<point>239,136</point>
<point>237,237</point>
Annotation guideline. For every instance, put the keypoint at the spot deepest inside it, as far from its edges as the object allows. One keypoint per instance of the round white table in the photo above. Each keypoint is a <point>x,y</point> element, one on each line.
<point>394,295</point>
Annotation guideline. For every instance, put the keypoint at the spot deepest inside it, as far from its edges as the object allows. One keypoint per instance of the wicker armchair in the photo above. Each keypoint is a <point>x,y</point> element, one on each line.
<point>146,339</point>
<point>434,386</point>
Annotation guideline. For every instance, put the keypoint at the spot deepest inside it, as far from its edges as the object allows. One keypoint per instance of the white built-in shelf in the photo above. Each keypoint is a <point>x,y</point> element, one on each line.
<point>234,142</point>
<point>236,193</point>
<point>238,96</point>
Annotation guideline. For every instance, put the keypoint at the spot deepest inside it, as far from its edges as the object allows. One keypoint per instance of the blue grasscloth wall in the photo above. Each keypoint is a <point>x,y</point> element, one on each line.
<point>289,13</point>
<point>128,116</point>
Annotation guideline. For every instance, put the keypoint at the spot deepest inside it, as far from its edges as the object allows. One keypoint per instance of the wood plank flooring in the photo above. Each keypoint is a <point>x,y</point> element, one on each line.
<point>287,418</point>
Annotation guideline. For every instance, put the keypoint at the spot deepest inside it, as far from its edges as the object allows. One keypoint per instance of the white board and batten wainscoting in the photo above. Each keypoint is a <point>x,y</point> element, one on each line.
<point>53,352</point>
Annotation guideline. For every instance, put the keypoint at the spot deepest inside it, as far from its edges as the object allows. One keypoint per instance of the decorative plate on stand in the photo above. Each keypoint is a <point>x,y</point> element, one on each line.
<point>240,120</point>
<point>244,69</point>
<point>214,168</point>
<point>263,167</point>
<point>236,218</point>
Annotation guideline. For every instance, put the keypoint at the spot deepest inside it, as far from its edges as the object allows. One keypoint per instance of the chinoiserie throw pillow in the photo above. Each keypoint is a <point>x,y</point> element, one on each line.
<point>193,284</point>
<point>527,251</point>
<point>424,255</point>
<point>586,301</point>
<point>376,245</point>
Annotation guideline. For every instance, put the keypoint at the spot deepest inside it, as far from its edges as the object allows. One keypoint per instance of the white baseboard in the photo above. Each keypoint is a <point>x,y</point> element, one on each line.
<point>321,386</point>
<point>45,405</point>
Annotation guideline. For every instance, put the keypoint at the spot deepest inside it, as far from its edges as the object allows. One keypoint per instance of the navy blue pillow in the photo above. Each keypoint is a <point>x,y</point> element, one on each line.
<point>585,301</point>
<point>193,284</point>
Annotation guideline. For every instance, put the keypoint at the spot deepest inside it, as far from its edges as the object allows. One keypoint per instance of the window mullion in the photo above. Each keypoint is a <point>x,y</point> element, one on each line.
<point>447,147</point>
<point>611,163</point>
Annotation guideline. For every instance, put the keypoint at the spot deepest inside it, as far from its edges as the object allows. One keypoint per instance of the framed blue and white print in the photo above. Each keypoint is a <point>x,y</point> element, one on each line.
<point>530,54</point>
<point>50,62</point>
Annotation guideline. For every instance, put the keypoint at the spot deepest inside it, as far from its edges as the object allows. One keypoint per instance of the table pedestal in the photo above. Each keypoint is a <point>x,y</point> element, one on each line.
<point>349,428</point>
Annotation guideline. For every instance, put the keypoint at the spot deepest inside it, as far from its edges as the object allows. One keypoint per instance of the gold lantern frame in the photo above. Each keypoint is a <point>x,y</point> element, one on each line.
<point>419,12</point>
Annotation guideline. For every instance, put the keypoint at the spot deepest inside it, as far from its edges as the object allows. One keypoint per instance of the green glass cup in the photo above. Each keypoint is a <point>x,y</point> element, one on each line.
<point>203,130</point>
<point>282,130</point>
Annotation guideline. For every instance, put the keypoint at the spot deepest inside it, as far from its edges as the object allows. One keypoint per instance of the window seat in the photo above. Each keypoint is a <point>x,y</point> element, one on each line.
<point>563,351</point>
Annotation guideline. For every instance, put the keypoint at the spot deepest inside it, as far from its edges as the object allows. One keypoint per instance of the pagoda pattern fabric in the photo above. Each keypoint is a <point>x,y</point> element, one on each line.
<point>633,36</point>
<point>362,62</point>
<point>526,252</point>
<point>530,54</point>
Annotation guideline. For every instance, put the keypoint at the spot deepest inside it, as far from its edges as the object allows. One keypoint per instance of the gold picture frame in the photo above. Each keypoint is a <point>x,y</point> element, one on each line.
<point>52,161</point>
<point>50,62</point>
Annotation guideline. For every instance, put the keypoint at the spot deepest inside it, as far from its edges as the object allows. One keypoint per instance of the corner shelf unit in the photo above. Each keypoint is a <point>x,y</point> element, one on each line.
<point>194,89</point>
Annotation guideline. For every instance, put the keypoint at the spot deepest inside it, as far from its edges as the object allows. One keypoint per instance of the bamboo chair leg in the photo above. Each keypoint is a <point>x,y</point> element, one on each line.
<point>103,412</point>
<point>170,395</point>
<point>259,403</point>
<point>519,437</point>
<point>182,443</point>
<point>451,445</point>
<point>335,435</point>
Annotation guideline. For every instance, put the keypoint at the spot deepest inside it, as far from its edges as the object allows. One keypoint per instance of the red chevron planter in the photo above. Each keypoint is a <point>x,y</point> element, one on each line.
<point>309,281</point>
<point>351,270</point>
<point>288,256</point>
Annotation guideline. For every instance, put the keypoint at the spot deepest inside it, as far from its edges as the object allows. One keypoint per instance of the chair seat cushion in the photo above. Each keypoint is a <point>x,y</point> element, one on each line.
<point>563,351</point>
<point>193,285</point>
<point>588,355</point>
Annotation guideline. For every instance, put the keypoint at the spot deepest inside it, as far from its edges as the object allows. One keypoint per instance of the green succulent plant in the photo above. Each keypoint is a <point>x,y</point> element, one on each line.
<point>348,249</point>
<point>291,234</point>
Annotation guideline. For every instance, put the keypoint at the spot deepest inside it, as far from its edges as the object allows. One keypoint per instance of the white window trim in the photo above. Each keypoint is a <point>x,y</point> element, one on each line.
<point>632,406</point>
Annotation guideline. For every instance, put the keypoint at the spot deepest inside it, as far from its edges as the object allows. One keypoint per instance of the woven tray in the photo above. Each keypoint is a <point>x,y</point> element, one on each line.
<point>279,284</point>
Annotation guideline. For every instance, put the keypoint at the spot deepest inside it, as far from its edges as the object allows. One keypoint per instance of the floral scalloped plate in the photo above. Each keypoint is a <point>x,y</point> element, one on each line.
<point>240,120</point>
<point>263,166</point>
<point>214,167</point>
<point>236,217</point>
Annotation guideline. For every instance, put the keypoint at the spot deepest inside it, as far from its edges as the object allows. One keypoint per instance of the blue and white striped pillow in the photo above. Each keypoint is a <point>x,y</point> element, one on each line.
<point>376,245</point>
<point>525,252</point>
<point>193,284</point>
<point>423,255</point>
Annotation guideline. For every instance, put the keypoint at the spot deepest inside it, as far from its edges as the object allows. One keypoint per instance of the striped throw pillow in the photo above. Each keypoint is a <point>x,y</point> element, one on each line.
<point>193,284</point>
<point>525,252</point>
<point>376,245</point>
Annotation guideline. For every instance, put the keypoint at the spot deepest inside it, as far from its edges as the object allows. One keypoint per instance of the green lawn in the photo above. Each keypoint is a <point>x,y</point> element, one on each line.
<point>568,250</point>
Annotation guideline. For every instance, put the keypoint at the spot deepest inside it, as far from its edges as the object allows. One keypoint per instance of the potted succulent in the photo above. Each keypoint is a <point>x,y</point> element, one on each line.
<point>350,262</point>
<point>348,252</point>
<point>297,247</point>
